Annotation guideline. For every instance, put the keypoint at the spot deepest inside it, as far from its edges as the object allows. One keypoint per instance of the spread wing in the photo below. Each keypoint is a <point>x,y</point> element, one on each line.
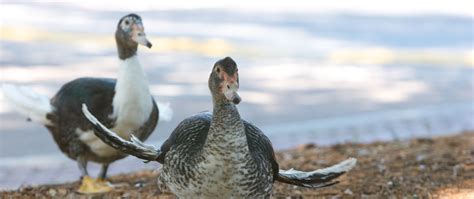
<point>133,147</point>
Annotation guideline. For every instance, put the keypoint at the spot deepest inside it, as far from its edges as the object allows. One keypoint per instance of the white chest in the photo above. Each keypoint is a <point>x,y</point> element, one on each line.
<point>132,103</point>
<point>95,144</point>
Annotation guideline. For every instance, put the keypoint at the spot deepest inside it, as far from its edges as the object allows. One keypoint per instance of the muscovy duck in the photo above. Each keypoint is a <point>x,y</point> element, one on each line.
<point>123,104</point>
<point>218,154</point>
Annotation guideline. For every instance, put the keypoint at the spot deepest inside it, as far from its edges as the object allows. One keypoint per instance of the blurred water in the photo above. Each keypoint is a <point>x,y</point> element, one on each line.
<point>305,76</point>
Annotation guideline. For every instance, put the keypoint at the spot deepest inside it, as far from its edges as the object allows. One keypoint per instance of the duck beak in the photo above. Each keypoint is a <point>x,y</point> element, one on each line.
<point>139,36</point>
<point>230,88</point>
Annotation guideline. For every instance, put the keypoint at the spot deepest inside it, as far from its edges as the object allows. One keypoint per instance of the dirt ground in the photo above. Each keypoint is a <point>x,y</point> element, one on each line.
<point>421,168</point>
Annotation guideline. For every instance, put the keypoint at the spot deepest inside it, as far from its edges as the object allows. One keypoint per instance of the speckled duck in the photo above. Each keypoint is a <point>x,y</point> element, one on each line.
<point>219,155</point>
<point>123,104</point>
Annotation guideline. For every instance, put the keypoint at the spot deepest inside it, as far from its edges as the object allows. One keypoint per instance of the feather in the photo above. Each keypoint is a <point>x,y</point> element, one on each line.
<point>166,113</point>
<point>27,102</point>
<point>317,178</point>
<point>134,147</point>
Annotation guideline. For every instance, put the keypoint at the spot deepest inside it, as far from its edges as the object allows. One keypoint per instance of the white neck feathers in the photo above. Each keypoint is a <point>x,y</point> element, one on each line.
<point>132,103</point>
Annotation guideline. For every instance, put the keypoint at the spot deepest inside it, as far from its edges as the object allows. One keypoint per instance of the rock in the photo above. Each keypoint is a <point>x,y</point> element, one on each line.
<point>62,192</point>
<point>381,168</point>
<point>348,192</point>
<point>435,166</point>
<point>390,183</point>
<point>304,147</point>
<point>52,192</point>
<point>287,156</point>
<point>420,157</point>
<point>139,184</point>
<point>421,167</point>
<point>456,170</point>
<point>363,152</point>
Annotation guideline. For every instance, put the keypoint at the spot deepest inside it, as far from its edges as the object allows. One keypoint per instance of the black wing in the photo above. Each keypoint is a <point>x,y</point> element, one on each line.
<point>97,93</point>
<point>147,128</point>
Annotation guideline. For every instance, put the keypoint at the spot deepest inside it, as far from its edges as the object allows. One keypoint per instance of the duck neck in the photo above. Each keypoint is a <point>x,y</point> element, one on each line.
<point>126,49</point>
<point>131,75</point>
<point>132,102</point>
<point>226,130</point>
<point>224,113</point>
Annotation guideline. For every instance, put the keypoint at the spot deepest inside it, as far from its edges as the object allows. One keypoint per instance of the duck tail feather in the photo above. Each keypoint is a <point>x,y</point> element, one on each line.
<point>28,103</point>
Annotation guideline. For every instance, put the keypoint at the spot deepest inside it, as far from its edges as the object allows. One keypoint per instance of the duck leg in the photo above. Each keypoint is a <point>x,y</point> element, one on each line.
<point>103,171</point>
<point>102,175</point>
<point>89,185</point>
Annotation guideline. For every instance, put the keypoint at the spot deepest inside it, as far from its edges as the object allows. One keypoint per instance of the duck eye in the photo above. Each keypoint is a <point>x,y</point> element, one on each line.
<point>218,70</point>
<point>127,22</point>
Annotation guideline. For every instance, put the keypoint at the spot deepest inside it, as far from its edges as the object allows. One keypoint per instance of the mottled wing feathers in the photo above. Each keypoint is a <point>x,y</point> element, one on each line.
<point>190,135</point>
<point>260,147</point>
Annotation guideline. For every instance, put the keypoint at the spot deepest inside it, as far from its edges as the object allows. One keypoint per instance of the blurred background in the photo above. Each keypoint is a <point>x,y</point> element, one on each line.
<point>321,73</point>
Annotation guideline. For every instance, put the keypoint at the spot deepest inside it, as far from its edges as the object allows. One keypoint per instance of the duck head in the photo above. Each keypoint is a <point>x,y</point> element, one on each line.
<point>129,34</point>
<point>224,82</point>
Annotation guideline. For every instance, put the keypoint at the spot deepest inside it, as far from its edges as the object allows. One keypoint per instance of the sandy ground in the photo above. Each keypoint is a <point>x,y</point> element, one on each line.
<point>441,167</point>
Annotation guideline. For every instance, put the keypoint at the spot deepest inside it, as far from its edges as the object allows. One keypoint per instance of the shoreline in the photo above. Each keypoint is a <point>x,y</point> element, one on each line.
<point>421,167</point>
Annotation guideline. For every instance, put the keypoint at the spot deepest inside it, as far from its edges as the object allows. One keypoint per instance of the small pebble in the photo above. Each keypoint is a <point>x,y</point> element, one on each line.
<point>435,166</point>
<point>139,184</point>
<point>421,167</point>
<point>456,170</point>
<point>62,192</point>
<point>381,168</point>
<point>363,152</point>
<point>287,156</point>
<point>52,192</point>
<point>420,157</point>
<point>348,192</point>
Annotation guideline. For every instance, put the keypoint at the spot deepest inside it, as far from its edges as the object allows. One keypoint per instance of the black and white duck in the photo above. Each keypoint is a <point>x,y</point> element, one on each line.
<point>123,104</point>
<point>218,154</point>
